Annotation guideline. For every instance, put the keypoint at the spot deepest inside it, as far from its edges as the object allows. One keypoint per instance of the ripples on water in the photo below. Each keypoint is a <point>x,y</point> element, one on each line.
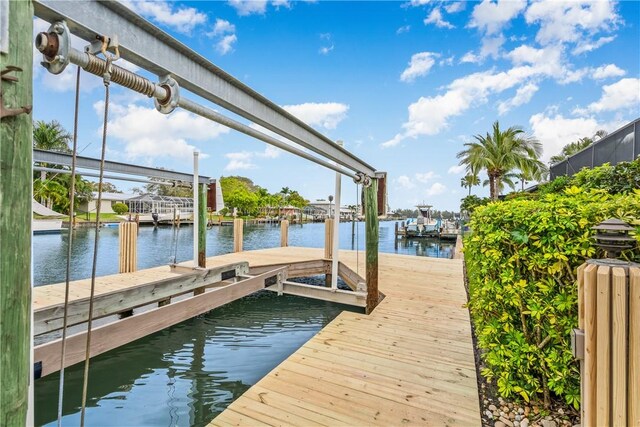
<point>188,373</point>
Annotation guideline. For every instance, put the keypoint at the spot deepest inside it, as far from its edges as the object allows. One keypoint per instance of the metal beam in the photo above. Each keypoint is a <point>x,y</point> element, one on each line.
<point>63,159</point>
<point>147,46</point>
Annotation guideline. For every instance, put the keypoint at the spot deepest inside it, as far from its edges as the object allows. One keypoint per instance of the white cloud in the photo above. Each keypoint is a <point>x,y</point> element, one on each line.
<point>522,96</point>
<point>457,169</point>
<point>491,16</point>
<point>426,176</point>
<point>225,44</point>
<point>435,17</point>
<point>491,46</point>
<point>588,45</point>
<point>182,19</point>
<point>249,7</point>
<point>419,65</point>
<point>223,26</point>
<point>572,21</point>
<point>470,57</point>
<point>554,132</point>
<point>405,182</point>
<point>244,160</point>
<point>607,71</point>
<point>328,40</point>
<point>327,115</point>
<point>455,7</point>
<point>403,29</point>
<point>436,188</point>
<point>146,133</point>
<point>624,94</point>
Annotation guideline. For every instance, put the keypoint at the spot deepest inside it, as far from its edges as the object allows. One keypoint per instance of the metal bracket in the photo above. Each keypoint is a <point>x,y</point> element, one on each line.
<point>102,44</point>
<point>577,343</point>
<point>362,178</point>
<point>167,105</point>
<point>54,45</point>
<point>11,112</point>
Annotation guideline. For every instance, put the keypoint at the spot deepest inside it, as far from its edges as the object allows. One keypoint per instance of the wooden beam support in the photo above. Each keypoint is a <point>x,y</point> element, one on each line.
<point>590,335</point>
<point>284,233</point>
<point>372,237</point>
<point>603,347</point>
<point>357,299</point>
<point>633,402</point>
<point>118,333</point>
<point>50,318</point>
<point>237,234</point>
<point>619,347</point>
<point>16,134</point>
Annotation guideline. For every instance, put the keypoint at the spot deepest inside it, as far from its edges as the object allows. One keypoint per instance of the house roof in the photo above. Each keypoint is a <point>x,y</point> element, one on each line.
<point>42,210</point>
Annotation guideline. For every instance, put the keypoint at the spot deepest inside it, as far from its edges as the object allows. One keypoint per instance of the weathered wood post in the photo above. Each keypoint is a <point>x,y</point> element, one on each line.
<point>371,237</point>
<point>607,342</point>
<point>128,239</point>
<point>202,227</point>
<point>284,233</point>
<point>237,234</point>
<point>15,215</point>
<point>328,247</point>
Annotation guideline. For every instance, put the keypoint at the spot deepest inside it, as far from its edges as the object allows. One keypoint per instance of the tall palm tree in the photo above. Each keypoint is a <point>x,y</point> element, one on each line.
<point>499,153</point>
<point>576,146</point>
<point>51,136</point>
<point>469,181</point>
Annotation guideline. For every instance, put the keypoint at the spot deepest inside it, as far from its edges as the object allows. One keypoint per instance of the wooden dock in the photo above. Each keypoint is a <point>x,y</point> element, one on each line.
<point>410,362</point>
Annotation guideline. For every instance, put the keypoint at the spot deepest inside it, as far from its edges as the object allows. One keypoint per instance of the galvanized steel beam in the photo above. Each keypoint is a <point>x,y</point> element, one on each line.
<point>62,159</point>
<point>145,45</point>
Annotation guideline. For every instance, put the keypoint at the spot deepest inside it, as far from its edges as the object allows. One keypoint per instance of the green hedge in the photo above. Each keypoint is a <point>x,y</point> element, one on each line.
<point>521,260</point>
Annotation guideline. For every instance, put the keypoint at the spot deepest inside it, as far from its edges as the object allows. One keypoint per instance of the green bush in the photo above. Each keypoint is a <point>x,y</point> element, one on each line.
<point>555,186</point>
<point>621,178</point>
<point>120,208</point>
<point>470,203</point>
<point>521,260</point>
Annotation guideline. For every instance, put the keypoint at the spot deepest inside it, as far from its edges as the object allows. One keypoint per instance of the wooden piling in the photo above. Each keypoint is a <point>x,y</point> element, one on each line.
<point>619,347</point>
<point>328,238</point>
<point>284,233</point>
<point>633,399</point>
<point>15,221</point>
<point>372,237</point>
<point>590,294</point>
<point>202,227</point>
<point>603,352</point>
<point>128,236</point>
<point>237,234</point>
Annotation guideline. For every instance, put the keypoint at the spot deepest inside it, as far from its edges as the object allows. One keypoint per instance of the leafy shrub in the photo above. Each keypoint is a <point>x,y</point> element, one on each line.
<point>555,186</point>
<point>470,203</point>
<point>120,208</point>
<point>621,178</point>
<point>521,195</point>
<point>521,261</point>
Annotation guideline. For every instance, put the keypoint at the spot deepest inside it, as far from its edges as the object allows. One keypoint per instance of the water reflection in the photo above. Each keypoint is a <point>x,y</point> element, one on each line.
<point>187,374</point>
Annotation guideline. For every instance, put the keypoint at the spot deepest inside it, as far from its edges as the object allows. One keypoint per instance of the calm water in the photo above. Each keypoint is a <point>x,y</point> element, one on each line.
<point>187,374</point>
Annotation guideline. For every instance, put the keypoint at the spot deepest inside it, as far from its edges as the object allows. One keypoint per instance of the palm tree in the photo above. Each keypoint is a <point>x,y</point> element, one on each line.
<point>469,181</point>
<point>576,146</point>
<point>501,152</point>
<point>51,136</point>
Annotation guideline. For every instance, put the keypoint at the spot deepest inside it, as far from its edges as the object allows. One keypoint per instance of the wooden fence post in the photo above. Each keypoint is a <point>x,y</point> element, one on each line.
<point>237,234</point>
<point>609,313</point>
<point>328,247</point>
<point>16,148</point>
<point>284,233</point>
<point>372,237</point>
<point>128,238</point>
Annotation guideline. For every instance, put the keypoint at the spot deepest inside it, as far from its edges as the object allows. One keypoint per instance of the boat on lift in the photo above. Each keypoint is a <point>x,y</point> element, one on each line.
<point>422,226</point>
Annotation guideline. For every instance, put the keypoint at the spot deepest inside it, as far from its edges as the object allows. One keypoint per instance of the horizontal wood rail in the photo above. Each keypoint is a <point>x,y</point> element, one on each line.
<point>120,332</point>
<point>50,318</point>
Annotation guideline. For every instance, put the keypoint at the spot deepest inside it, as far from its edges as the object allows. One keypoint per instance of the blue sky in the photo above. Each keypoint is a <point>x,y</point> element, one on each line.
<point>403,84</point>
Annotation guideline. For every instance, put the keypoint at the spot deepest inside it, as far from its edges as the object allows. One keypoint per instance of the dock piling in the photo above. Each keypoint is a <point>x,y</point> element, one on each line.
<point>284,233</point>
<point>128,236</point>
<point>237,234</point>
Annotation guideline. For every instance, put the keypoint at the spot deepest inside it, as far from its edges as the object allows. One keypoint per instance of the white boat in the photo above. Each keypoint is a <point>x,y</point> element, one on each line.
<point>50,221</point>
<point>423,225</point>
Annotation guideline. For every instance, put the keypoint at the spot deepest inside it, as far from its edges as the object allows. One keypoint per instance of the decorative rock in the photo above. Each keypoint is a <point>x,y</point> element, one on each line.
<point>561,411</point>
<point>524,422</point>
<point>548,423</point>
<point>496,414</point>
<point>536,410</point>
<point>506,422</point>
<point>520,411</point>
<point>518,417</point>
<point>488,414</point>
<point>486,402</point>
<point>492,408</point>
<point>516,424</point>
<point>512,416</point>
<point>499,424</point>
<point>502,414</point>
<point>510,405</point>
<point>527,410</point>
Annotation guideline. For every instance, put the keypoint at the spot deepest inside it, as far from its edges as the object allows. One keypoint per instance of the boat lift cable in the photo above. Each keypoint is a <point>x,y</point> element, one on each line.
<point>85,380</point>
<point>54,45</point>
<point>72,190</point>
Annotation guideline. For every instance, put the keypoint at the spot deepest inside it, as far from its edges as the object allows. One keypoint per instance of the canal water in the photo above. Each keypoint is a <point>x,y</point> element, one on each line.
<point>187,374</point>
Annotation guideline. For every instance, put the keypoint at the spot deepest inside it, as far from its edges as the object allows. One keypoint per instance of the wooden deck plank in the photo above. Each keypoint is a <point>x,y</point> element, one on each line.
<point>410,362</point>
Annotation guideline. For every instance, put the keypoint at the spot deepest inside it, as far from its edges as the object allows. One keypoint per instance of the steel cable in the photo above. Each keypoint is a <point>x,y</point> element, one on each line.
<point>72,190</point>
<point>85,380</point>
